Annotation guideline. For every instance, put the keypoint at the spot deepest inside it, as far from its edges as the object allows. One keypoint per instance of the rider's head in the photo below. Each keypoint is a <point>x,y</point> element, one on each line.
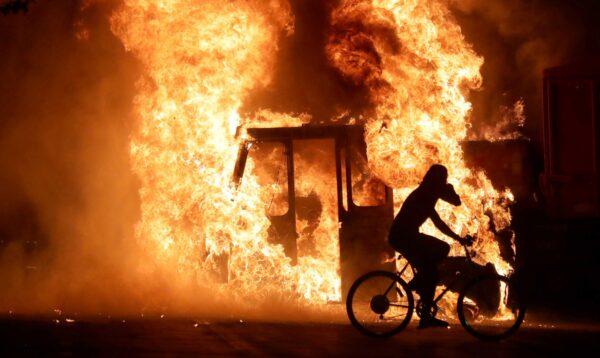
<point>435,178</point>
<point>435,182</point>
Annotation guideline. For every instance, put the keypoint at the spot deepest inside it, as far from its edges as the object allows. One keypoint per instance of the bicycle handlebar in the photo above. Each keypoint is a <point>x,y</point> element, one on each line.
<point>469,242</point>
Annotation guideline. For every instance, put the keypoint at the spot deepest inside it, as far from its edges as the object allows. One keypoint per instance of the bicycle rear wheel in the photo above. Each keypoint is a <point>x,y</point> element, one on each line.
<point>379,304</point>
<point>490,307</point>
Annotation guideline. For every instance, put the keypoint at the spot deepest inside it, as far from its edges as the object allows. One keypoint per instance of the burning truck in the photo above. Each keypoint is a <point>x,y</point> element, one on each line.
<point>314,190</point>
<point>311,212</point>
<point>364,205</point>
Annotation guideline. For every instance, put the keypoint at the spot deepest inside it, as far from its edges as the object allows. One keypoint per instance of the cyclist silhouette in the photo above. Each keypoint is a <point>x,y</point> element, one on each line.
<point>425,252</point>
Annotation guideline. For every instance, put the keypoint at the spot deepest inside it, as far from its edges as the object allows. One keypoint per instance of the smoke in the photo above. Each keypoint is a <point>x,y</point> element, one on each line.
<point>327,95</point>
<point>519,39</point>
<point>66,187</point>
<point>356,27</point>
<point>69,199</point>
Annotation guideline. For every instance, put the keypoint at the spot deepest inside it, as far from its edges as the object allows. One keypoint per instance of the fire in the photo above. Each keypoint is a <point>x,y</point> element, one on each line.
<point>203,58</point>
<point>419,69</point>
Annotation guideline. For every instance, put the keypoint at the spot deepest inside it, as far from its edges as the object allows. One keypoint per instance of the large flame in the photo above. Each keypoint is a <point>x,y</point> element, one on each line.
<point>203,58</point>
<point>419,69</point>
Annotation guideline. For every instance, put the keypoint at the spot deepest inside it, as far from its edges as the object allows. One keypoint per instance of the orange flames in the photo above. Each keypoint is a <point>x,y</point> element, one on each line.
<point>419,81</point>
<point>203,58</point>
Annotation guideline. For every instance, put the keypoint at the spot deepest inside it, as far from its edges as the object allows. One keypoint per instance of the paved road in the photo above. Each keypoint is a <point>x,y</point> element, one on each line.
<point>189,337</point>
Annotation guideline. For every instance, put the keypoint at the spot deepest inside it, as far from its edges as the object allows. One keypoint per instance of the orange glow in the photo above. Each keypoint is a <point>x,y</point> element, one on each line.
<point>203,58</point>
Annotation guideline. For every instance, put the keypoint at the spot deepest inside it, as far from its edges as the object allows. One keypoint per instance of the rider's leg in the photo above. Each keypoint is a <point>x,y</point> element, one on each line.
<point>427,283</point>
<point>434,251</point>
<point>431,252</point>
<point>433,248</point>
<point>424,253</point>
<point>408,246</point>
<point>430,276</point>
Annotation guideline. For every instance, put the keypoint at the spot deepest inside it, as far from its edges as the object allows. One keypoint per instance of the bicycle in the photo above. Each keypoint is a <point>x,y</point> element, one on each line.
<point>489,305</point>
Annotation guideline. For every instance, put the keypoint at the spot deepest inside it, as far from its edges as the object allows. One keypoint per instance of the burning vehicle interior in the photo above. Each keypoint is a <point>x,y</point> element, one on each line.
<point>364,205</point>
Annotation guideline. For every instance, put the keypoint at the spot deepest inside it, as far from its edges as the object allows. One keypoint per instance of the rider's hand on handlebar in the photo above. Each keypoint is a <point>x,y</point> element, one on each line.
<point>468,240</point>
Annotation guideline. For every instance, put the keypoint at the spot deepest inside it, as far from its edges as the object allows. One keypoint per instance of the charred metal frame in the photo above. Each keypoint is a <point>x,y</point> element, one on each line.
<point>363,230</point>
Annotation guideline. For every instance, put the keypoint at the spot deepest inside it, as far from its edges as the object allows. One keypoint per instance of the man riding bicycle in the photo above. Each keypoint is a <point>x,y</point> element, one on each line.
<point>425,252</point>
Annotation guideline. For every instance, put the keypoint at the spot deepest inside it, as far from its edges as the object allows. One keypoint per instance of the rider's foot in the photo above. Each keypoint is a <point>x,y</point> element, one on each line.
<point>432,322</point>
<point>414,284</point>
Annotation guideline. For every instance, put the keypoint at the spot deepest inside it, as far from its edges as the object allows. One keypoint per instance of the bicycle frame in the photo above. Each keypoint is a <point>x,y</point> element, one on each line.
<point>379,303</point>
<point>448,288</point>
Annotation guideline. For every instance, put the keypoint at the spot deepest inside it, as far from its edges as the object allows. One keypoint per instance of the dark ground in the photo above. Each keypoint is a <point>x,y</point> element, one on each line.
<point>189,337</point>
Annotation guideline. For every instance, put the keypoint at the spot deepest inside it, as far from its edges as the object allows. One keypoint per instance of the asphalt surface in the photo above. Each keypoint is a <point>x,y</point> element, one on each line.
<point>124,337</point>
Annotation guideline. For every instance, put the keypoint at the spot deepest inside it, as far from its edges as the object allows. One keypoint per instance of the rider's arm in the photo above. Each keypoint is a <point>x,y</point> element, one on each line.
<point>441,225</point>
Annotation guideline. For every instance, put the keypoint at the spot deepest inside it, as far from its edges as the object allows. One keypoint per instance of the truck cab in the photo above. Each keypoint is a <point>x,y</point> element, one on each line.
<point>365,206</point>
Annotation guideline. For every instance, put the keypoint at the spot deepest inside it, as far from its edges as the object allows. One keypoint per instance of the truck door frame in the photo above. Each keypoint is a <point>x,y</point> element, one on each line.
<point>350,216</point>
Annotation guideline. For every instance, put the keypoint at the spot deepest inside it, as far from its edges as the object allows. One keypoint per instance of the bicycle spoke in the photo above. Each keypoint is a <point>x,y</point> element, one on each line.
<point>396,316</point>
<point>400,292</point>
<point>379,305</point>
<point>392,284</point>
<point>399,305</point>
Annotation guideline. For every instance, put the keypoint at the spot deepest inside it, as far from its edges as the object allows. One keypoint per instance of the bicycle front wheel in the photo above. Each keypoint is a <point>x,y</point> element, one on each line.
<point>490,307</point>
<point>379,304</point>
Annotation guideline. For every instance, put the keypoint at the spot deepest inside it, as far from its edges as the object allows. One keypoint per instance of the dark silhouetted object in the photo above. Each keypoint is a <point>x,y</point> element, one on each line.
<point>14,6</point>
<point>571,178</point>
<point>381,304</point>
<point>425,252</point>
